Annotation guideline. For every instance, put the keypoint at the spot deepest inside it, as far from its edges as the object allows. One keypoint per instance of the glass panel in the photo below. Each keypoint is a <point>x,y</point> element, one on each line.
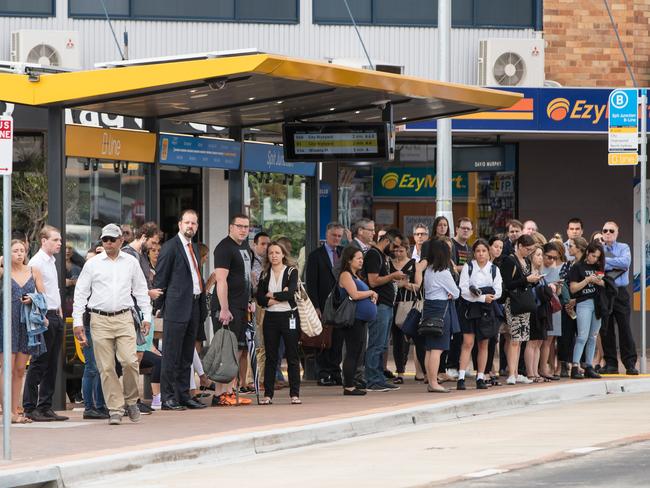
<point>421,12</point>
<point>327,11</point>
<point>264,10</point>
<point>17,7</point>
<point>462,12</point>
<point>84,7</point>
<point>505,13</point>
<point>495,202</point>
<point>277,205</point>
<point>194,9</point>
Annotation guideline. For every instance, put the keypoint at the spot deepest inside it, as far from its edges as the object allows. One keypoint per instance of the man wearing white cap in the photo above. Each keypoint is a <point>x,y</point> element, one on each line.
<point>107,285</point>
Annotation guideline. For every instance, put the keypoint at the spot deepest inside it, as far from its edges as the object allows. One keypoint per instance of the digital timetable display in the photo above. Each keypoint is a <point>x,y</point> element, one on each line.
<point>336,141</point>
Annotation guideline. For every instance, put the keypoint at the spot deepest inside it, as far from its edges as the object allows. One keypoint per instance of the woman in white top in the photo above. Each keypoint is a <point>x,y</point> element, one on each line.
<point>480,287</point>
<point>439,292</point>
<point>275,292</point>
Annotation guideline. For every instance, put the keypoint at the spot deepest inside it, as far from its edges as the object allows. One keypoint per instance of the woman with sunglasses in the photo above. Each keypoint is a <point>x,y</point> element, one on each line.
<point>553,261</point>
<point>584,279</point>
<point>517,275</point>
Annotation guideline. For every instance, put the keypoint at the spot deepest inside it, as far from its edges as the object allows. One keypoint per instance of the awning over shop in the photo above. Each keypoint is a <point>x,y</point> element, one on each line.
<point>250,90</point>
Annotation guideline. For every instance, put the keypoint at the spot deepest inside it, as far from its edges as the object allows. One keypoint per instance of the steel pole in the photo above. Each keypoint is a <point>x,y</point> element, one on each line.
<point>6,316</point>
<point>643,159</point>
<point>443,131</point>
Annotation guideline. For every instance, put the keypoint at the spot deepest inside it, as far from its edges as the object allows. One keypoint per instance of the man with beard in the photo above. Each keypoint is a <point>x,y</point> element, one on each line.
<point>384,283</point>
<point>178,274</point>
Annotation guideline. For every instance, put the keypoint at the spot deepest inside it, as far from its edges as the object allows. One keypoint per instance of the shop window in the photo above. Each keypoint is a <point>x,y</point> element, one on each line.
<point>27,8</point>
<point>99,192</point>
<point>84,8</point>
<point>277,205</point>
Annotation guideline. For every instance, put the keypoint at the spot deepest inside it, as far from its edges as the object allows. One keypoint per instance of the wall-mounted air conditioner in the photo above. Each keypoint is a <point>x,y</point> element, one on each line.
<point>511,62</point>
<point>46,48</point>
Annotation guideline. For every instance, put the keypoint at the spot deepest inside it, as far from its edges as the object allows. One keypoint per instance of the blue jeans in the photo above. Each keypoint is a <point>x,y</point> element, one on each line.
<point>91,385</point>
<point>588,327</point>
<point>378,332</point>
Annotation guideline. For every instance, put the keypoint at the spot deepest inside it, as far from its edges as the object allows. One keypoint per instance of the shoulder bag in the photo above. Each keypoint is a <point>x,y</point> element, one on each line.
<point>433,326</point>
<point>310,324</point>
<point>522,300</point>
<point>412,320</point>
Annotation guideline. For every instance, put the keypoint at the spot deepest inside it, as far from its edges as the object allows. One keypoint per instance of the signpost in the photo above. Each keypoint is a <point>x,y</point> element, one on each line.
<point>6,166</point>
<point>623,144</point>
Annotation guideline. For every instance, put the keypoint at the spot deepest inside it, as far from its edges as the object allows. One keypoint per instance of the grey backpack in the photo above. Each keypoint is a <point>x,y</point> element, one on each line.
<point>221,361</point>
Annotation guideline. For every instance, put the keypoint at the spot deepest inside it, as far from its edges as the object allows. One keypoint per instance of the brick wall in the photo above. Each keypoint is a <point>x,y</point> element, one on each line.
<point>581,46</point>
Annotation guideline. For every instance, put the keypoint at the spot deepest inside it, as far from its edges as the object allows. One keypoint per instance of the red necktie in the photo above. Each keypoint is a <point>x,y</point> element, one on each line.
<point>196,265</point>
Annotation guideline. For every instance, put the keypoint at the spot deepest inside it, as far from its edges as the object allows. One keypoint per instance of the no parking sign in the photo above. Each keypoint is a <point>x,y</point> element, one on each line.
<point>6,144</point>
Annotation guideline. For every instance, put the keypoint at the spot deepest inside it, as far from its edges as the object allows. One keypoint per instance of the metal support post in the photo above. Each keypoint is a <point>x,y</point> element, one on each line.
<point>643,160</point>
<point>6,316</point>
<point>236,177</point>
<point>443,131</point>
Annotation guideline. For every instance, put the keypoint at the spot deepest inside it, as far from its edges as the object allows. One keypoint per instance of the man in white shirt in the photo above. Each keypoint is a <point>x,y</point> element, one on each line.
<point>420,235</point>
<point>106,287</point>
<point>41,375</point>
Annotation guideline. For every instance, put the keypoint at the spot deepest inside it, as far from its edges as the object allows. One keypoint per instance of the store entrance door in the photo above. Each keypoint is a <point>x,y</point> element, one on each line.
<point>180,189</point>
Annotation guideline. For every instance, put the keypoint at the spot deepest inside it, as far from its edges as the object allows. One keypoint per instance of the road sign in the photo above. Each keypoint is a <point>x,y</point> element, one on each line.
<point>6,144</point>
<point>623,121</point>
<point>623,159</point>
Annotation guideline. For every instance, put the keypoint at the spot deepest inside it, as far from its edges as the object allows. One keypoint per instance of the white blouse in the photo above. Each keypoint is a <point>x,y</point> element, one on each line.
<point>481,277</point>
<point>438,284</point>
<point>275,286</point>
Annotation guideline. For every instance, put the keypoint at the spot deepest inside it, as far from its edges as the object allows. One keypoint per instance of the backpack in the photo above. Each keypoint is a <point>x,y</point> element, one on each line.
<point>493,269</point>
<point>221,362</point>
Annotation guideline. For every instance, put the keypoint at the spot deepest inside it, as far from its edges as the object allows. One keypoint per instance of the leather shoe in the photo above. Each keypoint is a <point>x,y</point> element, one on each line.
<point>54,416</point>
<point>609,370</point>
<point>171,405</point>
<point>193,404</point>
<point>632,371</point>
<point>326,382</point>
<point>38,416</point>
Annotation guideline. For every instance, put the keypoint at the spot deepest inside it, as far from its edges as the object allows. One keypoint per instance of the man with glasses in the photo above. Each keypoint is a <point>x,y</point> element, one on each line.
<point>617,261</point>
<point>364,234</point>
<point>231,302</point>
<point>127,233</point>
<point>574,229</point>
<point>178,274</point>
<point>420,235</point>
<point>106,288</point>
<point>514,229</point>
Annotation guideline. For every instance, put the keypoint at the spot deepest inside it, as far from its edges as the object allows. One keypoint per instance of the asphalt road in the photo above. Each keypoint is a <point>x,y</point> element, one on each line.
<point>621,467</point>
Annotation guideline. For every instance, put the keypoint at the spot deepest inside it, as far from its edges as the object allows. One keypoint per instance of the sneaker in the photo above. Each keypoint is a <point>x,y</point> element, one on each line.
<point>576,374</point>
<point>481,385</point>
<point>133,412</point>
<point>452,374</point>
<point>390,386</point>
<point>376,388</point>
<point>222,400</point>
<point>524,380</point>
<point>115,419</point>
<point>460,385</point>
<point>155,402</point>
<point>355,392</point>
<point>144,408</point>
<point>92,414</point>
<point>241,401</point>
<point>512,380</point>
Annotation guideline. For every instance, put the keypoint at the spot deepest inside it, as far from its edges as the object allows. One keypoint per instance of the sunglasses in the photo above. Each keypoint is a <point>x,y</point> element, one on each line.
<point>547,256</point>
<point>109,239</point>
<point>609,231</point>
<point>418,234</point>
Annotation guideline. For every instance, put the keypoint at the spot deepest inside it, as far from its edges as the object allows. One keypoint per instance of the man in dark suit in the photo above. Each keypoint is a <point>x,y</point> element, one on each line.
<point>322,272</point>
<point>179,275</point>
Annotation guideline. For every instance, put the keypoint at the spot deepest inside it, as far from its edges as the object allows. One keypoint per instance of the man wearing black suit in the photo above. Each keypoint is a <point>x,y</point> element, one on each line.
<point>322,273</point>
<point>178,274</point>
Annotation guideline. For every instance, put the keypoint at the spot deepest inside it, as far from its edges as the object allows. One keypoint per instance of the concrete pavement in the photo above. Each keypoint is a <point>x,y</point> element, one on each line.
<point>75,451</point>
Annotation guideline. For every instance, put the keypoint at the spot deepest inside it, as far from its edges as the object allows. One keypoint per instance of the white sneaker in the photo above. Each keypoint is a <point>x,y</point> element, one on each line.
<point>511,380</point>
<point>155,402</point>
<point>524,380</point>
<point>452,374</point>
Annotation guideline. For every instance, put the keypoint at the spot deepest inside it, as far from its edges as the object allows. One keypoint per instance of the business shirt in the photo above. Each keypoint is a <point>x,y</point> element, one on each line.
<point>617,256</point>
<point>481,277</point>
<point>415,254</point>
<point>196,285</point>
<point>332,254</point>
<point>364,248</point>
<point>109,285</point>
<point>46,265</point>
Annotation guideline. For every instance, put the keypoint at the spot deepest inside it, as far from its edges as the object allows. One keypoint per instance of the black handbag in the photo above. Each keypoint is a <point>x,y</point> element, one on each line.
<point>339,312</point>
<point>433,326</point>
<point>488,324</point>
<point>522,301</point>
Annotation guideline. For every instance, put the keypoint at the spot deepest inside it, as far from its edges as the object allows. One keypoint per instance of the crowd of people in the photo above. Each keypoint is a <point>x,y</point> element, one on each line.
<point>517,305</point>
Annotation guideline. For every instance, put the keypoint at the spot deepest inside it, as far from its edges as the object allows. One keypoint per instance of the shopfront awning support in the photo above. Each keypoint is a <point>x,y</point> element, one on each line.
<point>643,161</point>
<point>236,177</point>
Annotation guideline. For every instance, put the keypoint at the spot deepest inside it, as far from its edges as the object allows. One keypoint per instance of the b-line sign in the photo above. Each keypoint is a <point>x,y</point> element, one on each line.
<point>6,144</point>
<point>623,128</point>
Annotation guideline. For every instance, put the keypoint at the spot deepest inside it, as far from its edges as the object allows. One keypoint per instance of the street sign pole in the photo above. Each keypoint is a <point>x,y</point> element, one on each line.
<point>6,166</point>
<point>643,158</point>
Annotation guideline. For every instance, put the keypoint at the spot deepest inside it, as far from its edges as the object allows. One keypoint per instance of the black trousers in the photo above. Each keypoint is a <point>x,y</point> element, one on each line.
<point>492,344</point>
<point>178,353</point>
<point>360,372</point>
<point>567,340</point>
<point>41,374</point>
<point>329,360</point>
<point>276,326</point>
<point>400,349</point>
<point>620,317</point>
<point>152,360</point>
<point>354,338</point>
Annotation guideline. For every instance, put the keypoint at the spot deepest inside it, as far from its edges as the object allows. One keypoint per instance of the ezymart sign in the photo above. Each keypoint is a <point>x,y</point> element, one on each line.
<point>6,144</point>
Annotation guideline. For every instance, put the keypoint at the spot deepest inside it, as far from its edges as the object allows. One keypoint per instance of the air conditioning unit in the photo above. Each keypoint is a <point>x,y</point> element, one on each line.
<point>511,62</point>
<point>363,64</point>
<point>46,48</point>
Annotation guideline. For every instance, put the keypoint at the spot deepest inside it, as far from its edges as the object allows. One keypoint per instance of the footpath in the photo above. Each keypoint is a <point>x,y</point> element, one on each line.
<point>73,453</point>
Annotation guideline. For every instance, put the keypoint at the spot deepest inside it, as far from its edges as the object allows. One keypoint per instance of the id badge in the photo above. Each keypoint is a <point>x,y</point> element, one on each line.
<point>292,323</point>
